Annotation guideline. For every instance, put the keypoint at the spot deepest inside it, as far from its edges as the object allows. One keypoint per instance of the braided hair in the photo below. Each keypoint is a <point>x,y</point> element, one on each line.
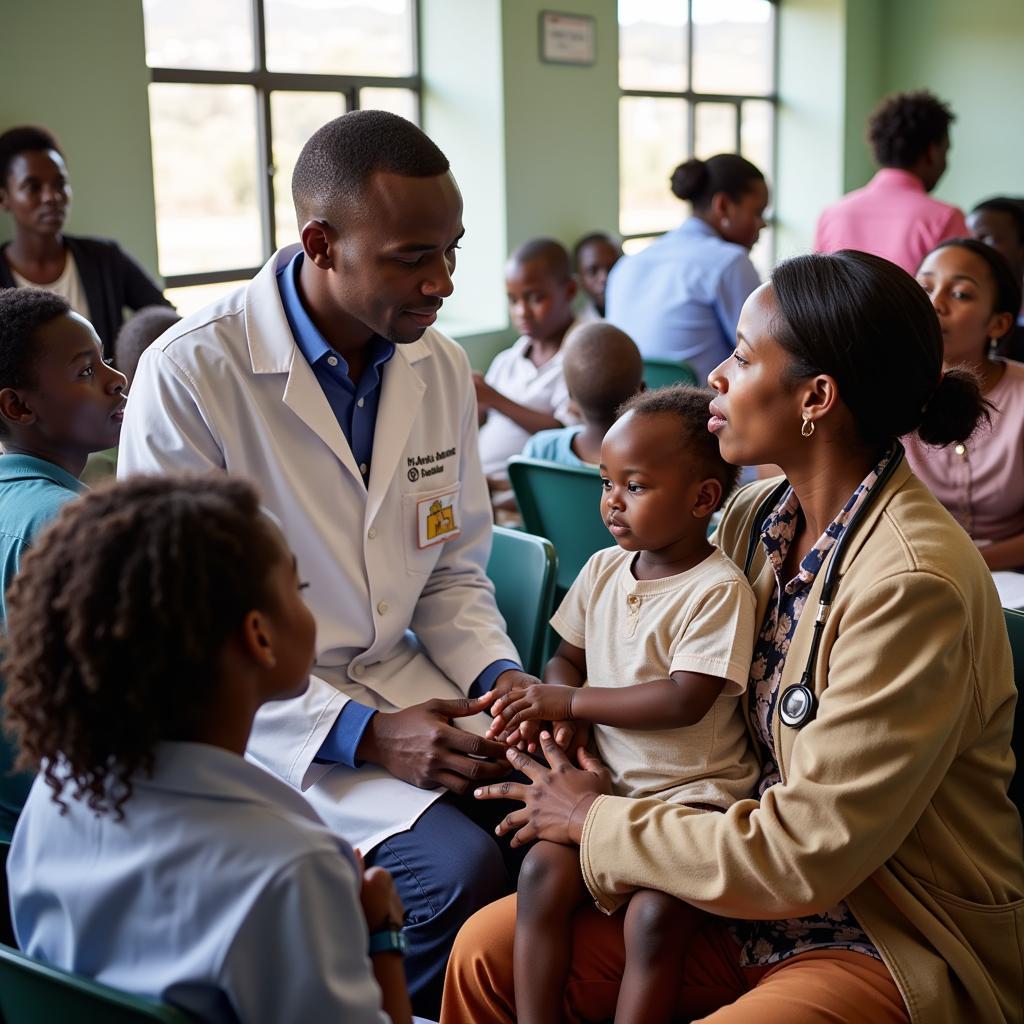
<point>117,621</point>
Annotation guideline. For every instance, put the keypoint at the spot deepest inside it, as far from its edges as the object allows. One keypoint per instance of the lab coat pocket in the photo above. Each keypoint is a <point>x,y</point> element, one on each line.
<point>430,519</point>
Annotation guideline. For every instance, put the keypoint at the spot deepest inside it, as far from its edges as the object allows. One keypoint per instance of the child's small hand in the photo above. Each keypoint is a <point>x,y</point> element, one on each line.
<point>570,735</point>
<point>542,702</point>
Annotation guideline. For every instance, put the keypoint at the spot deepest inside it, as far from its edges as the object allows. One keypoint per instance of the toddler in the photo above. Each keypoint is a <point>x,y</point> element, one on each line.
<point>657,635</point>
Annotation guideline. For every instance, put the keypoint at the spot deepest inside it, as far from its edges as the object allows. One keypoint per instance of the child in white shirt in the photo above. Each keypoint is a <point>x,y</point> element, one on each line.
<point>524,390</point>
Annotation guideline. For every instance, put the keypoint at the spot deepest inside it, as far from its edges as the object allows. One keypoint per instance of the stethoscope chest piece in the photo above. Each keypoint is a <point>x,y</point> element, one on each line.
<point>797,706</point>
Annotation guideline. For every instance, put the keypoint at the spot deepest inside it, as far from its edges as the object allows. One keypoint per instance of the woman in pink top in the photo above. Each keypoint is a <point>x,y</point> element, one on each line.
<point>981,482</point>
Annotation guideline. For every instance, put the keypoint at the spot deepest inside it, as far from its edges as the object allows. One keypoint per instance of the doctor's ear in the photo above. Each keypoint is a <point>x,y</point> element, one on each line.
<point>317,236</point>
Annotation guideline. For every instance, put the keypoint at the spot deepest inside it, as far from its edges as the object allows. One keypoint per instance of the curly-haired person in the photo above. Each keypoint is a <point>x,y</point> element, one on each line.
<point>893,215</point>
<point>146,628</point>
<point>59,402</point>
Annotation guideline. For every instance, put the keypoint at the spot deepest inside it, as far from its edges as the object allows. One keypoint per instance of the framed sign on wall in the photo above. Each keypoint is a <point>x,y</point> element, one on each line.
<point>567,38</point>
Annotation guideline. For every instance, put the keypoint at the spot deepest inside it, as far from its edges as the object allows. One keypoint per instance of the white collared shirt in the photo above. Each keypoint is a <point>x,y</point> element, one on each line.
<point>220,891</point>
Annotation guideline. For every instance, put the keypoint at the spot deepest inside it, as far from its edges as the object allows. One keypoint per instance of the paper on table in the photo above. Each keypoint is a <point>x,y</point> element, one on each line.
<point>1011,588</point>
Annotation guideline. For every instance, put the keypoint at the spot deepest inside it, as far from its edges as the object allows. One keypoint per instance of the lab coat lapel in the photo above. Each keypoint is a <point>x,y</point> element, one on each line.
<point>401,396</point>
<point>304,396</point>
<point>272,350</point>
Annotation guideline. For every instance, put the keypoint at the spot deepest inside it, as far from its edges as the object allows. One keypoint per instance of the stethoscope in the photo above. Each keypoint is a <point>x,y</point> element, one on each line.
<point>798,704</point>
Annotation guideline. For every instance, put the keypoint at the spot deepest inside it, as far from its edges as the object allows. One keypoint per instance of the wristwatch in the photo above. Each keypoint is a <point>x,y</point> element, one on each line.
<point>389,940</point>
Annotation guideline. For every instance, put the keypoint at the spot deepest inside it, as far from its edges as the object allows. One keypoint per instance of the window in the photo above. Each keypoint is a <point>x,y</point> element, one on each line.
<point>697,77</point>
<point>231,105</point>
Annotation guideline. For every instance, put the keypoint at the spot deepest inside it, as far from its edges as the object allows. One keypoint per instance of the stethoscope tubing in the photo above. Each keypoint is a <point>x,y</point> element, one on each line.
<point>798,703</point>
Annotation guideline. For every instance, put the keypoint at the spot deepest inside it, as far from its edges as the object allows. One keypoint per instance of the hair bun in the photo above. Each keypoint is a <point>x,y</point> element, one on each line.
<point>690,179</point>
<point>954,410</point>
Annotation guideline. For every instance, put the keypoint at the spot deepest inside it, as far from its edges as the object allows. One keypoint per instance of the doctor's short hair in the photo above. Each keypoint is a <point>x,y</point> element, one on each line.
<point>689,405</point>
<point>117,622</point>
<point>22,312</point>
<point>869,325</point>
<point>339,159</point>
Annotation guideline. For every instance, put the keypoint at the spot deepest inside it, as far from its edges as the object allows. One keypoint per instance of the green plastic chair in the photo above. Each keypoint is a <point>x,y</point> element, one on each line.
<point>35,993</point>
<point>523,570</point>
<point>660,373</point>
<point>6,925</point>
<point>562,503</point>
<point>1015,627</point>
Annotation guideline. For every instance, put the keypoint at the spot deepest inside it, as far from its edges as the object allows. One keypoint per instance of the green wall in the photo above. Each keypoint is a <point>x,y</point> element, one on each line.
<point>79,68</point>
<point>972,55</point>
<point>838,58</point>
<point>534,146</point>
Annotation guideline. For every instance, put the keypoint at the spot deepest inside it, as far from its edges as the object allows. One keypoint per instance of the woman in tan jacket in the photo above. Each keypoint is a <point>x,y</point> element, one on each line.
<point>876,874</point>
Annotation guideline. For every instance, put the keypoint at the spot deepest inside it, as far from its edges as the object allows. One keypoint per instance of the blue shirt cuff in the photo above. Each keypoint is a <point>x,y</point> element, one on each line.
<point>340,744</point>
<point>485,680</point>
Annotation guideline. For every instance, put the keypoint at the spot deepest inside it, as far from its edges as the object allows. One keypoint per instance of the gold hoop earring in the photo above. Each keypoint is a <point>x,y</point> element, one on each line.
<point>807,427</point>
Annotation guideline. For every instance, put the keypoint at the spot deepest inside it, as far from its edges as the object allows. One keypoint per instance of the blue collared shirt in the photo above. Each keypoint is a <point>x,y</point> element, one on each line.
<point>355,408</point>
<point>680,298</point>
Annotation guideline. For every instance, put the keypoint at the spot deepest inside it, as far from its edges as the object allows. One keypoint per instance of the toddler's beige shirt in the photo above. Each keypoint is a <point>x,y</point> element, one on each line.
<point>636,631</point>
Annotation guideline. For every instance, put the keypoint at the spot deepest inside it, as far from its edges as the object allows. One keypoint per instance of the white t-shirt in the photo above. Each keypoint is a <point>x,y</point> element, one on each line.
<point>637,631</point>
<point>67,286</point>
<point>539,387</point>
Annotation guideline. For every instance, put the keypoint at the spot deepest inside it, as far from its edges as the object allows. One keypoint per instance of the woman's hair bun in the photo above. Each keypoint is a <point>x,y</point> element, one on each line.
<point>954,410</point>
<point>690,179</point>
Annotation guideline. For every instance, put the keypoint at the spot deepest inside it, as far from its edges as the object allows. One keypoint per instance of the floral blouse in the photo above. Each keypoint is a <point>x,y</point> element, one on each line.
<point>768,942</point>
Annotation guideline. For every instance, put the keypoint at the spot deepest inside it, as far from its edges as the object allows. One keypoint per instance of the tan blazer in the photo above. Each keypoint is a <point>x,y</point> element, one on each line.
<point>893,797</point>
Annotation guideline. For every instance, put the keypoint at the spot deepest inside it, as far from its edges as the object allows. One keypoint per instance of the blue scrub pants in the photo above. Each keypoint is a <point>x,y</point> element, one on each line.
<point>446,867</point>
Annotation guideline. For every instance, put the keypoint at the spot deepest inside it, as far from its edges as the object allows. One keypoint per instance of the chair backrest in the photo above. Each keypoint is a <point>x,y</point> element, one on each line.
<point>562,503</point>
<point>31,992</point>
<point>660,373</point>
<point>1015,627</point>
<point>523,569</point>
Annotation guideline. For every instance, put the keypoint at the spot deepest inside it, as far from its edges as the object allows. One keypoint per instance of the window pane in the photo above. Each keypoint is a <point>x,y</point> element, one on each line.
<point>714,129</point>
<point>190,300</point>
<point>397,101</point>
<point>340,37</point>
<point>652,141</point>
<point>631,246</point>
<point>652,44</point>
<point>199,34</point>
<point>756,133</point>
<point>204,176</point>
<point>294,116</point>
<point>763,254</point>
<point>732,46</point>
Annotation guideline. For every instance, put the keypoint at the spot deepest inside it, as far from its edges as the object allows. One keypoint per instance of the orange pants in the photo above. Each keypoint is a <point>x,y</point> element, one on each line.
<point>825,986</point>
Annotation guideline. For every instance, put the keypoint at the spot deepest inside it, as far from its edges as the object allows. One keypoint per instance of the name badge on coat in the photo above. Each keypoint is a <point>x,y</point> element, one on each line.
<point>437,518</point>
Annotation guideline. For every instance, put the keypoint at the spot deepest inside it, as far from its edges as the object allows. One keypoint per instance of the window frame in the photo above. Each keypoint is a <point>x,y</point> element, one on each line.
<point>265,82</point>
<point>735,100</point>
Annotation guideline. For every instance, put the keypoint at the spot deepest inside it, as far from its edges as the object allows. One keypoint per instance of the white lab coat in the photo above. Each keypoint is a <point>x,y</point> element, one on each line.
<point>397,623</point>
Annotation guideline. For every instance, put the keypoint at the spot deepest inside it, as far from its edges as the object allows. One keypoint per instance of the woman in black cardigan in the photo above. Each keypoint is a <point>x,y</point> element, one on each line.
<point>95,275</point>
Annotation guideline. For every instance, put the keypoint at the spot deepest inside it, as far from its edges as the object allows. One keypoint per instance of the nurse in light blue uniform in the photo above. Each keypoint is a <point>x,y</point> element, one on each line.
<point>680,298</point>
<point>169,610</point>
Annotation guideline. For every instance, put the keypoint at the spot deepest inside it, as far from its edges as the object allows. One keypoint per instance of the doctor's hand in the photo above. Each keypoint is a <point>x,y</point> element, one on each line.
<point>419,745</point>
<point>557,800</point>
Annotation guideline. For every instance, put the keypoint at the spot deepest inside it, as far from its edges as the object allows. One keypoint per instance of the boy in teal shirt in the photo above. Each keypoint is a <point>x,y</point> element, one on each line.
<point>58,403</point>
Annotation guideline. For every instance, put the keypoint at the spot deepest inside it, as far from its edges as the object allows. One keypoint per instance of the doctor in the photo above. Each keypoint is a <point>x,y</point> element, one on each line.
<point>324,382</point>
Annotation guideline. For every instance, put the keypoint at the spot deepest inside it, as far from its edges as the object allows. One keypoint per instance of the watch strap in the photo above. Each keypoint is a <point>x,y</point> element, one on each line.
<point>388,940</point>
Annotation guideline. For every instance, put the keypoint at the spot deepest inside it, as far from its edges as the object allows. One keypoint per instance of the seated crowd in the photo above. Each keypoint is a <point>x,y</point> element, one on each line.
<point>270,753</point>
